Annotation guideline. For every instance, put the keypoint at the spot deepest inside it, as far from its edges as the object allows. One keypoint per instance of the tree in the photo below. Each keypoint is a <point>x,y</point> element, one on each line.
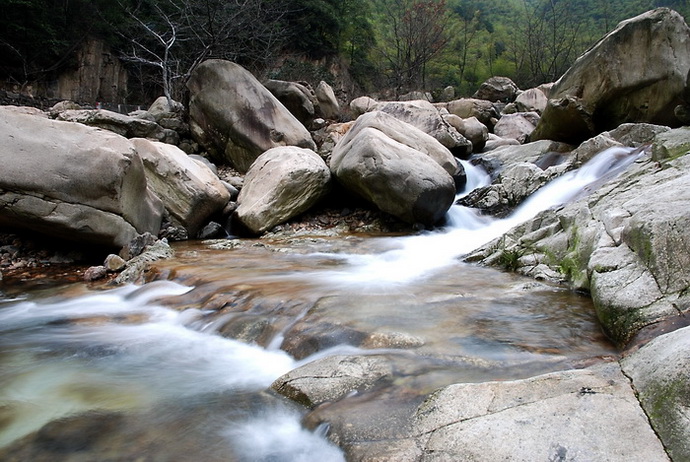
<point>414,32</point>
<point>472,20</point>
<point>175,36</point>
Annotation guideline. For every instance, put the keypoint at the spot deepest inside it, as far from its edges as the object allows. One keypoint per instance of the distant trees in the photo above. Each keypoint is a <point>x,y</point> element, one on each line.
<point>412,33</point>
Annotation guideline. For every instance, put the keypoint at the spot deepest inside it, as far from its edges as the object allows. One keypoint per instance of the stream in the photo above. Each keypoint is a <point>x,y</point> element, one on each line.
<point>181,368</point>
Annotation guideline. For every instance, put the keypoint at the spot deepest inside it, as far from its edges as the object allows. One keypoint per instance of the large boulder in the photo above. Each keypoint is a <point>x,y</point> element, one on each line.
<point>297,97</point>
<point>497,89</point>
<point>190,191</point>
<point>73,182</point>
<point>282,183</point>
<point>392,169</point>
<point>328,106</point>
<point>636,73</point>
<point>422,115</point>
<point>236,118</point>
<point>516,126</point>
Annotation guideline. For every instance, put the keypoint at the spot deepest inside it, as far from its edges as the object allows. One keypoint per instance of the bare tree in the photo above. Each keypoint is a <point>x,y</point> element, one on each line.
<point>175,36</point>
<point>416,31</point>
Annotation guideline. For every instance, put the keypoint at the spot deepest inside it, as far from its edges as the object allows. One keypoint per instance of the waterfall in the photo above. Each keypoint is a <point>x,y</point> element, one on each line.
<point>417,256</point>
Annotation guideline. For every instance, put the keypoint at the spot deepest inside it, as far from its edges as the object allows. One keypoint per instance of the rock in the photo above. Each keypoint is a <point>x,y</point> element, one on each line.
<point>375,161</point>
<point>497,89</point>
<point>137,245</point>
<point>236,118</point>
<point>516,126</point>
<point>130,127</point>
<point>532,100</point>
<point>73,182</point>
<point>298,97</point>
<point>636,135</point>
<point>282,183</point>
<point>589,414</point>
<point>494,142</point>
<point>332,378</point>
<point>448,94</point>
<point>114,263</point>
<point>483,110</point>
<point>415,96</point>
<point>619,243</point>
<point>190,191</point>
<point>161,108</point>
<point>212,230</point>
<point>472,129</point>
<point>328,106</point>
<point>137,267</point>
<point>94,273</point>
<point>362,105</point>
<point>636,73</point>
<point>672,144</point>
<point>505,156</point>
<point>660,373</point>
<point>423,115</point>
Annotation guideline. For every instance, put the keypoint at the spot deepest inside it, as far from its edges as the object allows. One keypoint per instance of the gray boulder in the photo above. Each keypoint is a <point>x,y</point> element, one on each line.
<point>587,414</point>
<point>282,183</point>
<point>471,128</point>
<point>483,110</point>
<point>236,118</point>
<point>376,162</point>
<point>328,106</point>
<point>516,126</point>
<point>421,114</point>
<point>497,89</point>
<point>532,100</point>
<point>73,182</point>
<point>298,97</point>
<point>636,73</point>
<point>127,126</point>
<point>190,191</point>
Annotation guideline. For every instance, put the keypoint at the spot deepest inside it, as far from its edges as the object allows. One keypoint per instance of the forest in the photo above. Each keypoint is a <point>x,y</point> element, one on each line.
<point>390,47</point>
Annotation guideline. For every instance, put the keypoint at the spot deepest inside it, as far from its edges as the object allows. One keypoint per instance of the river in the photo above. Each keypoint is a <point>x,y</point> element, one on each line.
<point>180,368</point>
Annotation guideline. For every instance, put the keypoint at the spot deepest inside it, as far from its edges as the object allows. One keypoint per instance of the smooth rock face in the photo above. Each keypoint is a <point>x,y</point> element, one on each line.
<point>236,118</point>
<point>281,184</point>
<point>299,99</point>
<point>516,126</point>
<point>73,182</point>
<point>331,378</point>
<point>400,180</point>
<point>497,89</point>
<point>587,414</point>
<point>422,115</point>
<point>190,191</point>
<point>660,373</point>
<point>130,127</point>
<point>637,73</point>
<point>328,107</point>
<point>532,100</point>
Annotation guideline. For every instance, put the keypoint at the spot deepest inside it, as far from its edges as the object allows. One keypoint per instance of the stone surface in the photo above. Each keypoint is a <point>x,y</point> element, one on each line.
<point>332,378</point>
<point>588,414</point>
<point>328,106</point>
<point>400,180</point>
<point>497,89</point>
<point>281,184</point>
<point>516,126</point>
<point>636,73</point>
<point>236,118</point>
<point>532,100</point>
<point>660,373</point>
<point>190,191</point>
<point>73,182</point>
<point>298,97</point>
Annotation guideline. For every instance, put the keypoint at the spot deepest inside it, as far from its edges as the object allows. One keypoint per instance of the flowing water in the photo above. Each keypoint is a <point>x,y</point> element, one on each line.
<point>181,370</point>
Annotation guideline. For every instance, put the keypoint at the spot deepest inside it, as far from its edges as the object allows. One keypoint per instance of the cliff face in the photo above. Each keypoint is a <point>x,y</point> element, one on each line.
<point>100,76</point>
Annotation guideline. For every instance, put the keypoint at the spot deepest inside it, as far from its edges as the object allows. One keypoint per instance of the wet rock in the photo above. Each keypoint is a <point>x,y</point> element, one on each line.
<point>137,245</point>
<point>137,267</point>
<point>332,378</point>
<point>114,263</point>
<point>95,272</point>
<point>212,230</point>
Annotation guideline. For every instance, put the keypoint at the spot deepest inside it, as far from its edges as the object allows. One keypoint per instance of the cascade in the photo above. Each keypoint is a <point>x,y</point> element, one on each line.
<point>163,366</point>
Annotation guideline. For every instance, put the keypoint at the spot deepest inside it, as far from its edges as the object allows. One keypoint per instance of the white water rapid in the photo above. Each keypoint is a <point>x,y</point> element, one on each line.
<point>415,257</point>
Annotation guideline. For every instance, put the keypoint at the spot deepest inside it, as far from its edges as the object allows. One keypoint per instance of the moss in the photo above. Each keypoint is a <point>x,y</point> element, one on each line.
<point>663,401</point>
